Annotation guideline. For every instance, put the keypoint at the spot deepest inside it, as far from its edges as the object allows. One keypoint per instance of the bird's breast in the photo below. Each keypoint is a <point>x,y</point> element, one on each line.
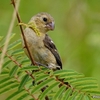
<point>33,38</point>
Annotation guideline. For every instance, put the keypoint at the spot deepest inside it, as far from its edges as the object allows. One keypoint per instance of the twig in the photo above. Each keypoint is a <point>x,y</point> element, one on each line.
<point>19,65</point>
<point>26,89</point>
<point>8,35</point>
<point>22,32</point>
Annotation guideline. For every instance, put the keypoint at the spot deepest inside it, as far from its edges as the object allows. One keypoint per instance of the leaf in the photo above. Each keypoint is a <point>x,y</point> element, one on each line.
<point>7,84</point>
<point>39,73</point>
<point>40,78</point>
<point>63,72</point>
<point>89,87</point>
<point>94,92</point>
<point>25,62</point>
<point>17,52</point>
<point>12,36</point>
<point>83,80</point>
<point>48,89</point>
<point>80,97</point>
<point>67,94</point>
<point>23,82</point>
<point>68,75</point>
<point>4,73</point>
<point>15,94</point>
<point>7,89</point>
<point>59,92</point>
<point>74,95</point>
<point>86,97</point>
<point>79,87</point>
<point>41,85</point>
<point>2,42</point>
<point>23,96</point>
<point>13,71</point>
<point>28,68</point>
<point>4,80</point>
<point>15,44</point>
<point>6,63</point>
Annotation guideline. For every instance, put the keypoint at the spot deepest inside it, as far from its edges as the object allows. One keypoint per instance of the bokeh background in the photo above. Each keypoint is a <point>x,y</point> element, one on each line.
<point>77,31</point>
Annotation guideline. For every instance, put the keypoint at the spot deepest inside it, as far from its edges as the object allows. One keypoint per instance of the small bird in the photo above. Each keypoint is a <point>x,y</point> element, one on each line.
<point>42,48</point>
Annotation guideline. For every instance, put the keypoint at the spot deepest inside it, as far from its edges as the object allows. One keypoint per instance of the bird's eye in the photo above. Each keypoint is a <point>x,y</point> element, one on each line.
<point>45,19</point>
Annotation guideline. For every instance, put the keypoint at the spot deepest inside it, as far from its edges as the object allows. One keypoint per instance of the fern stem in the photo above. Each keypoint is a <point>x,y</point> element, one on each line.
<point>18,64</point>
<point>28,90</point>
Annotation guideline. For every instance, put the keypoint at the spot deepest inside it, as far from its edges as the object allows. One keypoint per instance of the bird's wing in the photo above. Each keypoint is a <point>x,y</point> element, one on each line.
<point>51,46</point>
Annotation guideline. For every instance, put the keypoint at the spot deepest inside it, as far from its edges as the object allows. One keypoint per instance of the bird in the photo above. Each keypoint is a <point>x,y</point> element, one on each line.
<point>41,46</point>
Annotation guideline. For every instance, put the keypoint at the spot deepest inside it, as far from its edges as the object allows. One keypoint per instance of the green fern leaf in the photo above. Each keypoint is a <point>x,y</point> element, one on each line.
<point>59,93</point>
<point>13,71</point>
<point>23,82</point>
<point>41,85</point>
<point>48,89</point>
<point>67,94</point>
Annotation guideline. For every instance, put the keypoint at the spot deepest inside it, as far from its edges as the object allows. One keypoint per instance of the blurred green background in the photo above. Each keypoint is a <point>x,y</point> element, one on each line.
<point>77,32</point>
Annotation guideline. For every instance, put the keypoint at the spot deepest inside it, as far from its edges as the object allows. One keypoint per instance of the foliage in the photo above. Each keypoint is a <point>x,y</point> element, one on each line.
<point>18,78</point>
<point>77,25</point>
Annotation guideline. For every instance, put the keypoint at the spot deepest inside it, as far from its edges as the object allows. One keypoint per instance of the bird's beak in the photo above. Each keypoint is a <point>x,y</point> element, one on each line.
<point>50,26</point>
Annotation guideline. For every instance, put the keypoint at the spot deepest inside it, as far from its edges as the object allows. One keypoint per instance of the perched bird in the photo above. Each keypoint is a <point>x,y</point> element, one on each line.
<point>40,44</point>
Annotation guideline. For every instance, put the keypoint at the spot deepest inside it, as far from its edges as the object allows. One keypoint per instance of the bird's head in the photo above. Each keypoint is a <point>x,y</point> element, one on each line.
<point>43,21</point>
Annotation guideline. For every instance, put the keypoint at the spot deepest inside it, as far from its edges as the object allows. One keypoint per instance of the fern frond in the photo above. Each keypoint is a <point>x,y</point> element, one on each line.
<point>17,76</point>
